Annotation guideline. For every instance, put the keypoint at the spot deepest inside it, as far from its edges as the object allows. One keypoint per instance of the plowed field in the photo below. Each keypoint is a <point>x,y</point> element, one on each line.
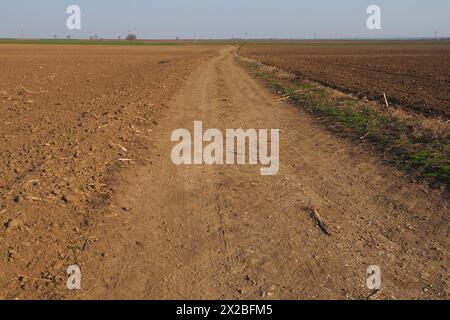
<point>415,75</point>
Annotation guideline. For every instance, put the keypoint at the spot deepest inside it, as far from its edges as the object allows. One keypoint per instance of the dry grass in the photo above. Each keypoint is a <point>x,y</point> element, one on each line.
<point>411,139</point>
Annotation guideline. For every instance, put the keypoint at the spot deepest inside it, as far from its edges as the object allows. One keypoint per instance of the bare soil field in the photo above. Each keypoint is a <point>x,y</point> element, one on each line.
<point>87,179</point>
<point>71,117</point>
<point>413,74</point>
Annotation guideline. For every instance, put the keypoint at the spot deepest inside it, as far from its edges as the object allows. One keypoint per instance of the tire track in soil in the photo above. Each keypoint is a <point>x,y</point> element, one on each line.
<point>208,232</point>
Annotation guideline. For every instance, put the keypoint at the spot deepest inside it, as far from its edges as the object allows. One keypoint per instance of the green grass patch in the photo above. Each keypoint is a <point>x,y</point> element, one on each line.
<point>89,42</point>
<point>432,164</point>
<point>428,157</point>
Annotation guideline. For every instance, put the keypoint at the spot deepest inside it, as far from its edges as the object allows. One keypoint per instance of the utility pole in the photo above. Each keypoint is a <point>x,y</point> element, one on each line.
<point>435,35</point>
<point>21,33</point>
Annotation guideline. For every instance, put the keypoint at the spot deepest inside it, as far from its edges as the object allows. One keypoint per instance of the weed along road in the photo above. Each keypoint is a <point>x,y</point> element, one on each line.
<point>209,231</point>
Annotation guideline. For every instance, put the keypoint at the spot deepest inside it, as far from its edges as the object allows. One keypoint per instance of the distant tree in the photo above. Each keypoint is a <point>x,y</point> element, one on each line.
<point>131,37</point>
<point>91,38</point>
<point>119,37</point>
<point>68,37</point>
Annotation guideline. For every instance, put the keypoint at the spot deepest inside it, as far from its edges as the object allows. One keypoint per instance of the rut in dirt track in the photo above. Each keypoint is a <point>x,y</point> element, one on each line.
<point>198,232</point>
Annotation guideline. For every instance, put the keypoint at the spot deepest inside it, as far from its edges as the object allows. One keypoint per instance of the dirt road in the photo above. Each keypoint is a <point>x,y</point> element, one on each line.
<point>200,232</point>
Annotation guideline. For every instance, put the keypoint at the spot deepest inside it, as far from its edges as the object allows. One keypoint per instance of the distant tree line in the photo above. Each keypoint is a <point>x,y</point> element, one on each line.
<point>129,37</point>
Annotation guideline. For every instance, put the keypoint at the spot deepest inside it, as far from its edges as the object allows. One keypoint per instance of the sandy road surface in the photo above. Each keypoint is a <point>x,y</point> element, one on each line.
<point>227,232</point>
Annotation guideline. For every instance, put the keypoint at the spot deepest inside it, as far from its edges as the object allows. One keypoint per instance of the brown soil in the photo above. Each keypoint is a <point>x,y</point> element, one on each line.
<point>149,229</point>
<point>68,113</point>
<point>415,75</point>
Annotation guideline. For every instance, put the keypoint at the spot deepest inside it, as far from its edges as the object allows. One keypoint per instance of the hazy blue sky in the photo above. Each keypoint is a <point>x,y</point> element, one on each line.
<point>225,18</point>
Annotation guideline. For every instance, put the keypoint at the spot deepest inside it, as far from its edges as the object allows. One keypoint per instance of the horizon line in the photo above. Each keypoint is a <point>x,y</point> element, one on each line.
<point>234,38</point>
